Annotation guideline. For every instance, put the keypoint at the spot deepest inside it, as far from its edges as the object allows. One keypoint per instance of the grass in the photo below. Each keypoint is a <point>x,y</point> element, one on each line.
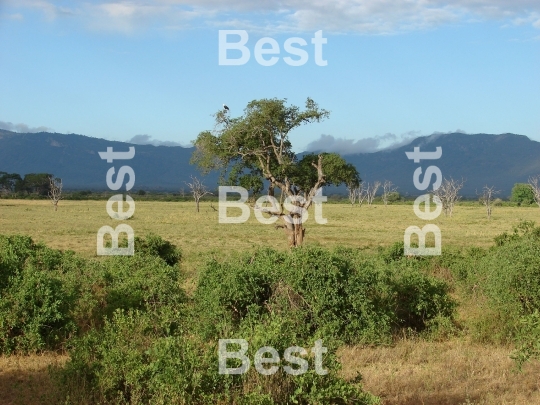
<point>454,371</point>
<point>74,226</point>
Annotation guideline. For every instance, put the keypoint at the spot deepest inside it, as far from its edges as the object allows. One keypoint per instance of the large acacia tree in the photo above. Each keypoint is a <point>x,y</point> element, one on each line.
<point>256,146</point>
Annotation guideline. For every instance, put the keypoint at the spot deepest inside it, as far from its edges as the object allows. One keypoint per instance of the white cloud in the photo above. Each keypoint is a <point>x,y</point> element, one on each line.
<point>22,128</point>
<point>362,16</point>
<point>327,143</point>
<point>147,140</point>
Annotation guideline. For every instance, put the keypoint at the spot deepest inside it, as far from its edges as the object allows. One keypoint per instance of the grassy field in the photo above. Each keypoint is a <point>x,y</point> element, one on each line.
<point>453,371</point>
<point>74,226</point>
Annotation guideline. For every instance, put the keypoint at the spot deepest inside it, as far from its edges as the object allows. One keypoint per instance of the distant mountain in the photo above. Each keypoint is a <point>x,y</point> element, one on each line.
<point>75,159</point>
<point>499,160</point>
<point>481,159</point>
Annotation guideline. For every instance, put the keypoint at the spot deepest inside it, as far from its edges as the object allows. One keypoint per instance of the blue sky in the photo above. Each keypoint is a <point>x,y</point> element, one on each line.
<point>149,69</point>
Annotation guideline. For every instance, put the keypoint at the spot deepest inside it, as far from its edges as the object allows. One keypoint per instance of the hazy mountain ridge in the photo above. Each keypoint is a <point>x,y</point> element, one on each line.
<point>499,160</point>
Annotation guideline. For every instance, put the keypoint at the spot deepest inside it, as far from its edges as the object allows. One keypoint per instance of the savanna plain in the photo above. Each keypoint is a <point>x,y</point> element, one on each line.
<point>461,360</point>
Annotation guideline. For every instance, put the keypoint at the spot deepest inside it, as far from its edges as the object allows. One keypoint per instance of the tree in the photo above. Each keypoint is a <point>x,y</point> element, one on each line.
<point>361,194</point>
<point>371,192</point>
<point>522,193</point>
<point>257,144</point>
<point>9,182</point>
<point>388,189</point>
<point>55,191</point>
<point>448,194</point>
<point>38,183</point>
<point>535,187</point>
<point>198,189</point>
<point>486,198</point>
<point>353,193</point>
<point>353,184</point>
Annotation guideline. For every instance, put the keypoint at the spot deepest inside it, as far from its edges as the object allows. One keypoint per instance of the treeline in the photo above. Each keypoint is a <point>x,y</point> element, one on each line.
<point>31,183</point>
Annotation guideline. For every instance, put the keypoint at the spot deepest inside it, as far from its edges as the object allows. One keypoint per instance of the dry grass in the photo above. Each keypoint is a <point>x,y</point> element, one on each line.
<point>443,373</point>
<point>200,236</point>
<point>25,380</point>
<point>412,372</point>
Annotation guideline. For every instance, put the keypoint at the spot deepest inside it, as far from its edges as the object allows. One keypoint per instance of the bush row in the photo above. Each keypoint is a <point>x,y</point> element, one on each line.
<point>135,337</point>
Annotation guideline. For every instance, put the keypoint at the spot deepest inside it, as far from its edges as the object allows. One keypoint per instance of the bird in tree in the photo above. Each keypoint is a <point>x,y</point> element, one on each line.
<point>225,108</point>
<point>255,147</point>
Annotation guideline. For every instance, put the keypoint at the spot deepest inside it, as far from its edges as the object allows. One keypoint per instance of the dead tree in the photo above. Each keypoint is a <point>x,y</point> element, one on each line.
<point>535,186</point>
<point>486,198</point>
<point>353,193</point>
<point>55,191</point>
<point>448,194</point>
<point>371,192</point>
<point>361,194</point>
<point>198,190</point>
<point>388,188</point>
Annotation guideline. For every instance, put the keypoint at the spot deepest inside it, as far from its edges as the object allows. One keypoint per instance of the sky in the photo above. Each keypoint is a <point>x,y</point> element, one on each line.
<point>149,71</point>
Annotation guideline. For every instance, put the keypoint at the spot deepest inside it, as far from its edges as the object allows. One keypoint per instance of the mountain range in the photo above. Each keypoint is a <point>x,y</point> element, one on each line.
<point>480,159</point>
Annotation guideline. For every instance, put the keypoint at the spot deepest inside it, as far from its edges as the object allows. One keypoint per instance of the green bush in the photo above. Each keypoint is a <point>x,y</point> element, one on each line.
<point>507,279</point>
<point>14,250</point>
<point>34,312</point>
<point>135,337</point>
<point>332,294</point>
<point>48,296</point>
<point>132,360</point>
<point>154,245</point>
<point>522,194</point>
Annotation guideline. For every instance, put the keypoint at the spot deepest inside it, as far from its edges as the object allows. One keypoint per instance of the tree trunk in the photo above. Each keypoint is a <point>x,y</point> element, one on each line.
<point>56,207</point>
<point>197,205</point>
<point>299,234</point>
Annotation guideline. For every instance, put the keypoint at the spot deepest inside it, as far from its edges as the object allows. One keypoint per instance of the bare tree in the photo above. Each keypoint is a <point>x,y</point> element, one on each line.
<point>353,193</point>
<point>486,198</point>
<point>448,194</point>
<point>361,194</point>
<point>371,192</point>
<point>198,189</point>
<point>388,188</point>
<point>55,191</point>
<point>535,186</point>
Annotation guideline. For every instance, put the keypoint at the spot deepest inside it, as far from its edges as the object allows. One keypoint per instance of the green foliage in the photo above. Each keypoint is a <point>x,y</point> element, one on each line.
<point>505,281</point>
<point>10,182</point>
<point>527,338</point>
<point>336,170</point>
<point>337,295</point>
<point>154,245</point>
<point>256,146</point>
<point>135,337</point>
<point>34,312</point>
<point>394,196</point>
<point>47,296</point>
<point>522,194</point>
<point>14,250</point>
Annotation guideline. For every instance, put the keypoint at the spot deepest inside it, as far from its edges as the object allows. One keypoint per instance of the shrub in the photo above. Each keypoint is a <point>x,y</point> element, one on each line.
<point>132,360</point>
<point>332,294</point>
<point>48,296</point>
<point>508,276</point>
<point>14,250</point>
<point>522,194</point>
<point>34,312</point>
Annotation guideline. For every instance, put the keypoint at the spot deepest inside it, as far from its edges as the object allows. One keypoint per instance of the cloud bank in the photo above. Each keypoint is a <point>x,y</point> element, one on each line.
<point>389,141</point>
<point>359,16</point>
<point>147,140</point>
<point>328,143</point>
<point>22,128</point>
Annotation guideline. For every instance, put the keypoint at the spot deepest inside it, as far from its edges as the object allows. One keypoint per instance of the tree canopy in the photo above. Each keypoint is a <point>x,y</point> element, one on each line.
<point>256,146</point>
<point>522,193</point>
